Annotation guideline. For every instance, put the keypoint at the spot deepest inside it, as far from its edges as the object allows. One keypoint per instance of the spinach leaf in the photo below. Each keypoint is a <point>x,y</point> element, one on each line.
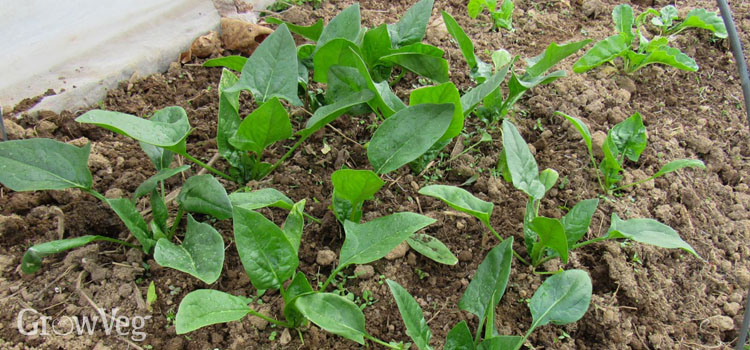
<point>201,253</point>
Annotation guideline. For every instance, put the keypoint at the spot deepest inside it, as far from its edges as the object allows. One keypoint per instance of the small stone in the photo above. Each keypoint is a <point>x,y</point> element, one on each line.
<point>735,297</point>
<point>113,193</point>
<point>732,309</point>
<point>465,256</point>
<point>79,142</point>
<point>598,139</point>
<point>14,131</point>
<point>325,257</point>
<point>398,252</point>
<point>285,337</point>
<point>700,144</point>
<point>723,323</point>
<point>125,290</point>
<point>461,224</point>
<point>411,258</point>
<point>414,186</point>
<point>364,272</point>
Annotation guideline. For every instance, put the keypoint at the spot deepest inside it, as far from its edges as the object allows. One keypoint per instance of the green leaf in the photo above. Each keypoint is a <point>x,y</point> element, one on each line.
<point>443,93</point>
<point>43,164</point>
<point>151,296</point>
<point>489,283</point>
<point>602,52</point>
<point>299,286</point>
<point>459,338</point>
<point>385,101</point>
<point>152,182</point>
<point>333,53</point>
<point>329,113</point>
<point>160,213</point>
<point>647,231</point>
<point>264,126</point>
<point>582,129</point>
<point>504,17</point>
<point>703,19</point>
<point>266,253</point>
<point>408,134</point>
<point>205,307</point>
<point>372,240</point>
<point>463,40</point>
<point>473,97</point>
<point>461,200</point>
<point>350,190</point>
<point>32,259</point>
<point>521,163</point>
<point>432,248</point>
<point>168,127</point>
<point>667,15</point>
<point>160,157</point>
<point>622,15</point>
<point>669,56</point>
<point>561,299</point>
<point>201,253</point>
<point>334,313</point>
<point>628,137</point>
<point>308,32</point>
<point>346,25</point>
<point>475,7</point>
<point>204,194</point>
<point>503,342</point>
<point>411,313</point>
<point>271,71</point>
<point>229,119</point>
<point>234,63</point>
<point>548,177</point>
<point>551,235</point>
<point>295,224</point>
<point>412,26</point>
<point>265,197</point>
<point>577,221</point>
<point>126,211</point>
<point>375,44</point>
<point>551,56</point>
<point>428,66</point>
<point>530,238</point>
<point>501,58</point>
<point>679,164</point>
<point>343,82</point>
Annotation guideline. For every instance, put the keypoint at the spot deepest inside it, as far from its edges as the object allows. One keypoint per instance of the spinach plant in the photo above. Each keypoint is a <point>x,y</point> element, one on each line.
<point>648,50</point>
<point>626,140</point>
<point>501,18</point>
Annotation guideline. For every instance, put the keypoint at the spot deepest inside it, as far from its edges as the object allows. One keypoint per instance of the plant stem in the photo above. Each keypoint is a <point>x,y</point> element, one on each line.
<point>598,239</point>
<point>378,341</point>
<point>464,151</point>
<point>544,260</point>
<point>331,277</point>
<point>522,260</point>
<point>634,183</point>
<point>285,156</point>
<point>180,213</point>
<point>276,322</point>
<point>398,77</point>
<point>98,195</point>
<point>312,218</point>
<point>208,167</point>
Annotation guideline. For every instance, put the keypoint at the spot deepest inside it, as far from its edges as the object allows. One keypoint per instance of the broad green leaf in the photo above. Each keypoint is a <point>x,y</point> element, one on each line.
<point>432,248</point>
<point>201,253</point>
<point>622,15</point>
<point>517,86</point>
<point>407,135</point>
<point>159,212</point>
<point>329,113</point>
<point>561,299</point>
<point>548,177</point>
<point>671,57</point>
<point>628,137</point>
<point>551,235</point>
<point>475,7</point>
<point>488,286</point>
<point>32,258</point>
<point>126,211</point>
<point>602,52</point>
<point>264,126</point>
<point>205,307</point>
<point>390,99</point>
<point>266,253</point>
<point>168,128</point>
<point>372,240</point>
<point>582,129</point>
<point>204,194</point>
<point>648,231</point>
<point>271,71</point>
<point>375,44</point>
<point>428,66</point>
<point>346,25</point>
<point>234,63</point>
<point>459,338</point>
<point>412,26</point>
<point>703,19</point>
<point>350,189</point>
<point>308,32</point>
<point>521,163</point>
<point>501,58</point>
<point>333,53</point>
<point>443,93</point>
<point>343,82</point>
<point>160,157</point>
<point>461,200</point>
<point>381,89</point>
<point>152,182</point>
<point>265,197</point>
<point>295,224</point>
<point>299,286</point>
<point>334,314</point>
<point>577,221</point>
<point>667,15</point>
<point>503,342</point>
<point>463,40</point>
<point>473,97</point>
<point>551,56</point>
<point>411,313</point>
<point>43,164</point>
<point>229,118</point>
<point>679,164</point>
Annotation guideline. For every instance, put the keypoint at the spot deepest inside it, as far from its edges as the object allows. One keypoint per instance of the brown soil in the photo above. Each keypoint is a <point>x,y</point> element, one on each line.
<point>644,297</point>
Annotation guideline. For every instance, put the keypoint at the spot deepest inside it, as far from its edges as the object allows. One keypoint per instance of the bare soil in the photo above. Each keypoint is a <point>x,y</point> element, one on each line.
<point>644,297</point>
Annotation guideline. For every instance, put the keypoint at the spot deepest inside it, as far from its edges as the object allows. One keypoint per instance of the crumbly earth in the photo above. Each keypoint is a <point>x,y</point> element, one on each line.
<point>644,297</point>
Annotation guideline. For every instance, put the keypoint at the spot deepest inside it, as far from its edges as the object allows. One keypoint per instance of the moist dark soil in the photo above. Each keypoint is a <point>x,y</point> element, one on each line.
<point>644,297</point>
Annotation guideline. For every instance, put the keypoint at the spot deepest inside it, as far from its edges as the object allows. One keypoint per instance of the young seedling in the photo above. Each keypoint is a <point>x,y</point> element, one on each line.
<point>501,18</point>
<point>626,140</point>
<point>648,51</point>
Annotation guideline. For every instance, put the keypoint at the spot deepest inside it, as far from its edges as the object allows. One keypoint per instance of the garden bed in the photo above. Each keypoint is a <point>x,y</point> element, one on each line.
<point>643,297</point>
